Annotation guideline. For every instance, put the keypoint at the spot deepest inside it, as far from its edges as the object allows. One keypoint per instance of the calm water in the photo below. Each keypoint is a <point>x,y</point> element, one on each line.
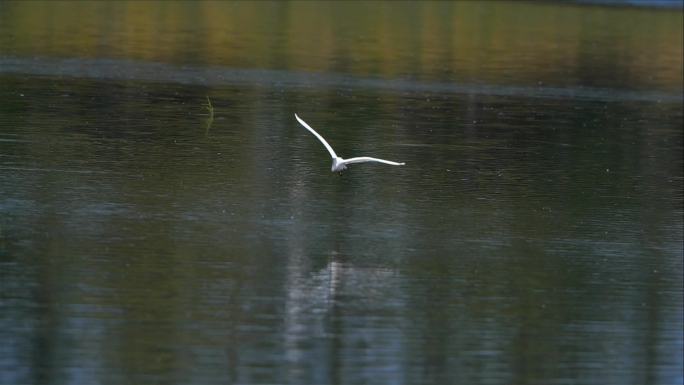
<point>533,237</point>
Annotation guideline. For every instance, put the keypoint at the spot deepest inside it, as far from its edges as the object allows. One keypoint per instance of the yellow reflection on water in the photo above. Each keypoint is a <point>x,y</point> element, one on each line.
<point>494,42</point>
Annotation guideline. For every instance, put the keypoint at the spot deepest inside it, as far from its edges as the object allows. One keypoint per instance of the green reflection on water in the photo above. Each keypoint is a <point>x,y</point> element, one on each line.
<point>528,240</point>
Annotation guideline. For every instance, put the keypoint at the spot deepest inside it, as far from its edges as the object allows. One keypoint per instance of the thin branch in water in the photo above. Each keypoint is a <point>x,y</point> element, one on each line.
<point>210,119</point>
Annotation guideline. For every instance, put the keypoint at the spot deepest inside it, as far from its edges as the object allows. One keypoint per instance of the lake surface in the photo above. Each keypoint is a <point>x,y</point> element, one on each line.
<point>534,235</point>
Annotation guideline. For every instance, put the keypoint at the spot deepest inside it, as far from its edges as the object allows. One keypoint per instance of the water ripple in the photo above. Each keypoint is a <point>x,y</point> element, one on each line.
<point>120,69</point>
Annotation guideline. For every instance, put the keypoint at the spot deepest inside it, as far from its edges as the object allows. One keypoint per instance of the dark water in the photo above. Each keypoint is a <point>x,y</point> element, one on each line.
<point>533,237</point>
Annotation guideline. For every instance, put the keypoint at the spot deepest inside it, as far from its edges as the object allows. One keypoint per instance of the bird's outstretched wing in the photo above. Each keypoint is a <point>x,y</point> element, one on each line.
<point>362,159</point>
<point>303,123</point>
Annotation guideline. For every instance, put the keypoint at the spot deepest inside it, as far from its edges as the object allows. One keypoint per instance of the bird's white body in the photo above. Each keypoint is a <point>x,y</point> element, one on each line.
<point>340,164</point>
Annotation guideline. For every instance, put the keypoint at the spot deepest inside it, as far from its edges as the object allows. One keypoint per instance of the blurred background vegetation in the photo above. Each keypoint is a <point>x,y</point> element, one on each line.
<point>461,41</point>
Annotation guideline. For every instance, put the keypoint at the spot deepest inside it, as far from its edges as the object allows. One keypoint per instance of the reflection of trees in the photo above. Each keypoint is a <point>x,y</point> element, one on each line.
<point>464,41</point>
<point>198,252</point>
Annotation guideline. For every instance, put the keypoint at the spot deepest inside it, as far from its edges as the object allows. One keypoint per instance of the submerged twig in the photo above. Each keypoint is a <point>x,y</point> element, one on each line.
<point>210,119</point>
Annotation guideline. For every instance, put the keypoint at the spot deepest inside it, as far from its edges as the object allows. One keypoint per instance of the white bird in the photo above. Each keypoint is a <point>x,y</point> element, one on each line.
<point>340,164</point>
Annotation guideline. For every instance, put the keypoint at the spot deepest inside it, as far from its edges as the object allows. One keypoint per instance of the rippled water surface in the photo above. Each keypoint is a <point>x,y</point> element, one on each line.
<point>534,235</point>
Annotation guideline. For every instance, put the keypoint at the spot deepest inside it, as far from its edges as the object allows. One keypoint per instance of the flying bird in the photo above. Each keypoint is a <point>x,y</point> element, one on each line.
<point>340,164</point>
